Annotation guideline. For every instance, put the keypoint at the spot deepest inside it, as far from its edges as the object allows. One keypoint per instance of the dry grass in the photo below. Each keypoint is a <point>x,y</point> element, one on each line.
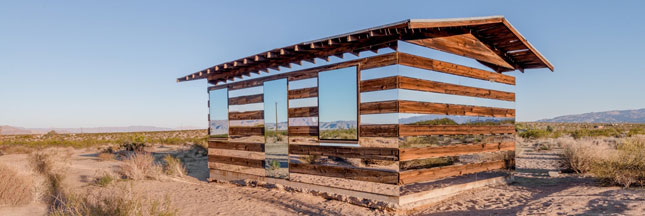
<point>625,166</point>
<point>580,155</point>
<point>622,164</point>
<point>105,200</point>
<point>140,166</point>
<point>112,201</point>
<point>15,189</point>
<point>173,166</point>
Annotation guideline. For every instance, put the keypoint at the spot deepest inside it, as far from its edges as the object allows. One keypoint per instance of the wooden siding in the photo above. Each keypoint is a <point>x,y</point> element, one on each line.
<point>420,130</point>
<point>345,172</point>
<point>391,154</point>
<point>249,115</point>
<point>303,112</point>
<point>453,150</point>
<point>303,93</point>
<point>421,175</point>
<point>446,88</point>
<point>403,106</point>
<point>303,130</point>
<point>236,161</point>
<point>386,130</point>
<point>246,131</point>
<point>402,82</point>
<point>243,146</point>
<point>249,99</point>
<point>450,68</point>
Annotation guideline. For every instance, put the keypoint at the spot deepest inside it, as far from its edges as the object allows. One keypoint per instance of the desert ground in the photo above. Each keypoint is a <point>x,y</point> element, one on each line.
<point>538,188</point>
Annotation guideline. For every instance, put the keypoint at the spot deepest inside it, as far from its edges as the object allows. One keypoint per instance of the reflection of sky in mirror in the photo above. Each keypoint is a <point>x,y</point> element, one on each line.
<point>337,95</point>
<point>245,91</point>
<point>218,104</point>
<point>275,92</point>
<point>305,83</point>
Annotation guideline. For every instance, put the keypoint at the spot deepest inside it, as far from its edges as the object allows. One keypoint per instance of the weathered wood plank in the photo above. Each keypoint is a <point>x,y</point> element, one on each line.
<point>303,131</point>
<point>391,154</point>
<point>446,88</point>
<point>450,68</point>
<point>243,146</point>
<point>464,45</point>
<point>345,172</point>
<point>303,93</point>
<point>380,84</point>
<point>385,130</point>
<point>453,109</point>
<point>422,130</point>
<point>403,106</point>
<point>303,112</point>
<point>453,150</point>
<point>246,131</point>
<point>249,115</point>
<point>421,175</point>
<point>237,153</point>
<point>236,161</point>
<point>249,99</point>
<point>380,107</point>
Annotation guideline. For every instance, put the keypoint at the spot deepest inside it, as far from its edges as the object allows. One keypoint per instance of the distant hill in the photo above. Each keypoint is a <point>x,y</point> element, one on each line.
<point>616,116</point>
<point>11,130</point>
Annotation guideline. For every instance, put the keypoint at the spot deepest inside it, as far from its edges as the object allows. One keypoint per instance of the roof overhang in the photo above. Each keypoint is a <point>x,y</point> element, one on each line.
<point>492,41</point>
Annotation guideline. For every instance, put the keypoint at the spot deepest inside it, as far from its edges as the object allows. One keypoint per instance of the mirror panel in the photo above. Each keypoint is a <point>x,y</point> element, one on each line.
<point>275,129</point>
<point>218,122</point>
<point>337,100</point>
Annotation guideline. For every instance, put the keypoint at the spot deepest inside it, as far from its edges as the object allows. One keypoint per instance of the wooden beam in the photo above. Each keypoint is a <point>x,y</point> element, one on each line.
<point>450,68</point>
<point>236,161</point>
<point>464,45</point>
<point>242,146</point>
<point>422,175</point>
<point>390,154</point>
<point>303,93</point>
<point>246,131</point>
<point>303,130</point>
<point>425,130</point>
<point>303,112</point>
<point>384,130</point>
<point>454,150</point>
<point>446,88</point>
<point>248,115</point>
<point>249,99</point>
<point>345,172</point>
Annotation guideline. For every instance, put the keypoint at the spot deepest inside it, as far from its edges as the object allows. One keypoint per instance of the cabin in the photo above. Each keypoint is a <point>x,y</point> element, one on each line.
<point>395,116</point>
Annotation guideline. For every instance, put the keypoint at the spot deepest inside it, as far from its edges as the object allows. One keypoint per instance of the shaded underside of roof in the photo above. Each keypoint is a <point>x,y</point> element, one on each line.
<point>498,44</point>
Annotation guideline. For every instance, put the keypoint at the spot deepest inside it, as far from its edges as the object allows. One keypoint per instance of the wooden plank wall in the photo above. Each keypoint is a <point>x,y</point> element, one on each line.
<point>445,157</point>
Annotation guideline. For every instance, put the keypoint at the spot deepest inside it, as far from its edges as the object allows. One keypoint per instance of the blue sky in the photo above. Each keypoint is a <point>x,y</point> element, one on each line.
<point>114,63</point>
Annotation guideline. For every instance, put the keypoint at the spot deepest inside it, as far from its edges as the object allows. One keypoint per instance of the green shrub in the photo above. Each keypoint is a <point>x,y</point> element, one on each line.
<point>533,133</point>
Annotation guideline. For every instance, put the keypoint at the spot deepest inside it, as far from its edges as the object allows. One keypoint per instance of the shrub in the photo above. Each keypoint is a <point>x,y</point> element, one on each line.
<point>104,180</point>
<point>173,166</point>
<point>625,167</point>
<point>139,166</point>
<point>579,156</point>
<point>533,133</point>
<point>15,189</point>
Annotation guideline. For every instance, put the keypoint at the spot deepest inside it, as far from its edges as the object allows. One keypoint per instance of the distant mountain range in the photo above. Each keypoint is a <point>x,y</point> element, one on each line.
<point>11,130</point>
<point>616,116</point>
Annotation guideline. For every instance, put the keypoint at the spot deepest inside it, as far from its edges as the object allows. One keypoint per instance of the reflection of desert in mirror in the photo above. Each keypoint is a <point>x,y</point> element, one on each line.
<point>275,128</point>
<point>337,104</point>
<point>218,102</point>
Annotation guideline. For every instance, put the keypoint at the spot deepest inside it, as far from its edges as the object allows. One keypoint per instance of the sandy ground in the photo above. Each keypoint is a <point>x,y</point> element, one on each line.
<point>534,192</point>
